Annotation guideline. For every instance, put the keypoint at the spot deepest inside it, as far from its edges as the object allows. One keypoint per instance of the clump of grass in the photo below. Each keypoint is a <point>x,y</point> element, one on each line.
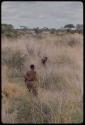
<point>29,110</point>
<point>10,90</point>
<point>14,61</point>
<point>71,112</point>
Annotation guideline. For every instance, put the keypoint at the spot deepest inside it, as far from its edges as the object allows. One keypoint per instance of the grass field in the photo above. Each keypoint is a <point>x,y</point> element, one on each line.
<point>60,83</point>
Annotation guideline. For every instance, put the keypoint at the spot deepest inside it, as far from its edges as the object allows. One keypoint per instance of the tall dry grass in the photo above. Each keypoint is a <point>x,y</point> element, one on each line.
<point>60,83</point>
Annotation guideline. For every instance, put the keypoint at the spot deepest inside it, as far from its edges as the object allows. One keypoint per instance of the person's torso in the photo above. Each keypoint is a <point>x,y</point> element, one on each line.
<point>31,76</point>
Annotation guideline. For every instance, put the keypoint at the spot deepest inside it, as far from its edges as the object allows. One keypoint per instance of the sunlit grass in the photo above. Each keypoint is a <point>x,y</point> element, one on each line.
<point>60,83</point>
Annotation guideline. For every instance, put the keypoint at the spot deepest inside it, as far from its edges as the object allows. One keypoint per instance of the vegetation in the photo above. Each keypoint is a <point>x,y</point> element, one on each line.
<point>9,31</point>
<point>14,61</point>
<point>60,83</point>
<point>69,26</point>
<point>23,27</point>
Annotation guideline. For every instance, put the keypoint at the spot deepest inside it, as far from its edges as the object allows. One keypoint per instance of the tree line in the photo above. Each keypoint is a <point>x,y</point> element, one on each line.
<point>9,30</point>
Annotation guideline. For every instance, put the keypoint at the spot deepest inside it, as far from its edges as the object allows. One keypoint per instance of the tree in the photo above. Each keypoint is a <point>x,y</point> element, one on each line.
<point>79,27</point>
<point>23,27</point>
<point>69,26</point>
<point>37,30</point>
<point>8,31</point>
<point>7,27</point>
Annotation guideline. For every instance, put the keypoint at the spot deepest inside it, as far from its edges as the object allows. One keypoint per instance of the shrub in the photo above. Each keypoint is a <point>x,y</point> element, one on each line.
<point>8,31</point>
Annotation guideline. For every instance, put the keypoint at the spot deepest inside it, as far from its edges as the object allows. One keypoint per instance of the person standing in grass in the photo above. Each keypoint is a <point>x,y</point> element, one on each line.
<point>30,80</point>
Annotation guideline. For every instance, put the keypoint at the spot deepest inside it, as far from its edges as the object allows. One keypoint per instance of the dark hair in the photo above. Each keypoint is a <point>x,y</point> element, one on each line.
<point>32,66</point>
<point>45,58</point>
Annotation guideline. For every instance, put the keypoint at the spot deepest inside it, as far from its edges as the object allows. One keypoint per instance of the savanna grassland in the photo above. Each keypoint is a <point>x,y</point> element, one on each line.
<point>60,83</point>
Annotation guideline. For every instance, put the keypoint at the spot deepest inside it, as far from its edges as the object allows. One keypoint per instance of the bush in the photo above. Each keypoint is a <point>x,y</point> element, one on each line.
<point>69,26</point>
<point>10,34</point>
<point>8,31</point>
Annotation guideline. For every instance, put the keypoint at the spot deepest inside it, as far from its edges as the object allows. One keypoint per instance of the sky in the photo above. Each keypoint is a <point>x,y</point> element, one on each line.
<point>41,14</point>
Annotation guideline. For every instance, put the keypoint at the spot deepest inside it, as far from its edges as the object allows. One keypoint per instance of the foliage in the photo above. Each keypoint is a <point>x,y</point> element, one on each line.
<point>37,30</point>
<point>23,27</point>
<point>8,30</point>
<point>53,30</point>
<point>7,27</point>
<point>60,88</point>
<point>69,26</point>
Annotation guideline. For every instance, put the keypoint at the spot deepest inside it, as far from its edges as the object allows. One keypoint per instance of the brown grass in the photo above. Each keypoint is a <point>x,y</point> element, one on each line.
<point>60,83</point>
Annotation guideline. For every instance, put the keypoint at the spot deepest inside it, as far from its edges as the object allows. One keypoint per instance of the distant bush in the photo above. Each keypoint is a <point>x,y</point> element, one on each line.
<point>52,31</point>
<point>10,34</point>
<point>24,28</point>
<point>37,30</point>
<point>69,26</point>
<point>7,27</point>
<point>8,31</point>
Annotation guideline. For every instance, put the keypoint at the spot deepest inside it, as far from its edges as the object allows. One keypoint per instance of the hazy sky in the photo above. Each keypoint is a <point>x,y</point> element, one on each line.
<point>42,14</point>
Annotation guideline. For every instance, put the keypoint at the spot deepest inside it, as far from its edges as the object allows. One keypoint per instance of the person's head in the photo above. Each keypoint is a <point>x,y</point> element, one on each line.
<point>32,67</point>
<point>45,58</point>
